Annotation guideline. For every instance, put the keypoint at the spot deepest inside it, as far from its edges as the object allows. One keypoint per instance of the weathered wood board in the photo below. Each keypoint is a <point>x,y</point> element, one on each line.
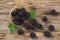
<point>42,5</point>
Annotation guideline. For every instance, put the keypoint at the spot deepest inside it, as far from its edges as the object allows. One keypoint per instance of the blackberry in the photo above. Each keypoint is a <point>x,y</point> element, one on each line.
<point>47,34</point>
<point>33,21</point>
<point>44,19</point>
<point>20,31</point>
<point>22,10</point>
<point>14,13</point>
<point>51,28</point>
<point>18,20</point>
<point>27,26</point>
<point>53,12</point>
<point>32,27</point>
<point>27,15</point>
<point>32,35</point>
<point>39,26</point>
<point>20,14</point>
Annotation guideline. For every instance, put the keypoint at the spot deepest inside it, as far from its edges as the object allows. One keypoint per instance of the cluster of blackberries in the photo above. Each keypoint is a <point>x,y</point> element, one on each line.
<point>33,24</point>
<point>20,15</point>
<point>51,27</point>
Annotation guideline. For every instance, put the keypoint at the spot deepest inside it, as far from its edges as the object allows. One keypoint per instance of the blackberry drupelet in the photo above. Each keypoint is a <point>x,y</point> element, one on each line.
<point>47,34</point>
<point>51,28</point>
<point>32,35</point>
<point>20,31</point>
<point>44,19</point>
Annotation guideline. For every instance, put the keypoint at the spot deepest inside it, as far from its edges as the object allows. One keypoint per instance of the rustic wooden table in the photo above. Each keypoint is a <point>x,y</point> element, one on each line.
<point>42,5</point>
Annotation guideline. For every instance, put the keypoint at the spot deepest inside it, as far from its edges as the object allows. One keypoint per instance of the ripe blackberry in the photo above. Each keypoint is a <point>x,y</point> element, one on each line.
<point>23,10</point>
<point>27,15</point>
<point>44,19</point>
<point>32,35</point>
<point>47,34</point>
<point>18,20</point>
<point>33,21</point>
<point>39,26</point>
<point>14,13</point>
<point>51,28</point>
<point>32,27</point>
<point>20,31</point>
<point>27,26</point>
<point>53,12</point>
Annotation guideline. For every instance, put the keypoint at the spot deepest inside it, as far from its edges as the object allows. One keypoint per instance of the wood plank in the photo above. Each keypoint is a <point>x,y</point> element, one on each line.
<point>42,5</point>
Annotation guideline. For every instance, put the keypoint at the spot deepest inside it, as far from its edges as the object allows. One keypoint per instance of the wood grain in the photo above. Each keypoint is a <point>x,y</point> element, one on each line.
<point>41,6</point>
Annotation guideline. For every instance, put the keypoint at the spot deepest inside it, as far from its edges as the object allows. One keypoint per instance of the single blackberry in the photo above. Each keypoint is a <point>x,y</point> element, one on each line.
<point>44,19</point>
<point>23,10</point>
<point>27,26</point>
<point>20,31</point>
<point>39,26</point>
<point>32,35</point>
<point>20,14</point>
<point>32,27</point>
<point>14,13</point>
<point>53,12</point>
<point>33,21</point>
<point>51,28</point>
<point>18,20</point>
<point>27,15</point>
<point>47,34</point>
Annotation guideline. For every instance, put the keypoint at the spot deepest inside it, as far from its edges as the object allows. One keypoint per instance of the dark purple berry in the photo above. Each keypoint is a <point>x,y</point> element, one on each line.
<point>27,26</point>
<point>20,31</point>
<point>47,34</point>
<point>51,28</point>
<point>39,26</point>
<point>20,12</point>
<point>23,10</point>
<point>32,27</point>
<point>32,35</point>
<point>53,12</point>
<point>14,13</point>
<point>44,19</point>
<point>33,21</point>
<point>18,20</point>
<point>27,15</point>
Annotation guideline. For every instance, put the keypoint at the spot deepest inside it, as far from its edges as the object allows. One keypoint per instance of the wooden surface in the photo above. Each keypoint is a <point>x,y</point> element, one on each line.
<point>42,5</point>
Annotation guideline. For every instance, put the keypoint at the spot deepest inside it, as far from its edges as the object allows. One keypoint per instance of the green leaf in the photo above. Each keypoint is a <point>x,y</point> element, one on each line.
<point>12,28</point>
<point>33,14</point>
